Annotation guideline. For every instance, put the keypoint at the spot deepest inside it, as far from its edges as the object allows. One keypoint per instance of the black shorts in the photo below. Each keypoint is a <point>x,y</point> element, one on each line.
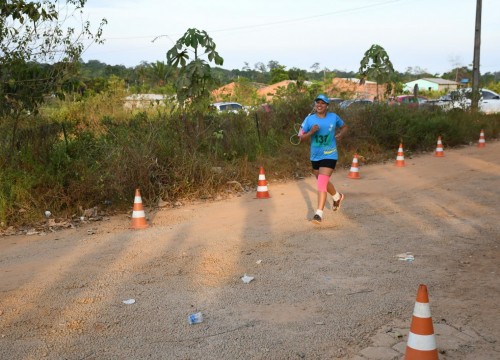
<point>328,163</point>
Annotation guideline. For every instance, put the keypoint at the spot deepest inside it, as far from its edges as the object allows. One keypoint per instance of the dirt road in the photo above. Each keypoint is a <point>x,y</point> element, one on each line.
<point>319,292</point>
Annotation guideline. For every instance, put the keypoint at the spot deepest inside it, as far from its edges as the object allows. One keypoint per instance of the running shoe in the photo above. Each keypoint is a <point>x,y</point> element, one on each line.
<point>316,219</point>
<point>336,204</point>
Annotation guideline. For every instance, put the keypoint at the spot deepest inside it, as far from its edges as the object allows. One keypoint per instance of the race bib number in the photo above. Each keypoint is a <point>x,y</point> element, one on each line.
<point>321,140</point>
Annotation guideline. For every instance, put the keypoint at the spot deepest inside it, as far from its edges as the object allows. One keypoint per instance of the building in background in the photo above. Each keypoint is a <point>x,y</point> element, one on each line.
<point>431,84</point>
<point>352,88</point>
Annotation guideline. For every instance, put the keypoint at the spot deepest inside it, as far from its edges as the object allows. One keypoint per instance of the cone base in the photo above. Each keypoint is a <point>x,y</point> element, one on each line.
<point>439,154</point>
<point>139,227</point>
<point>355,176</point>
<point>262,196</point>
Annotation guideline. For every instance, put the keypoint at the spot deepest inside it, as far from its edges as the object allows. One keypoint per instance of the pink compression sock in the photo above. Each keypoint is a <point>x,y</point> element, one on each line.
<point>323,182</point>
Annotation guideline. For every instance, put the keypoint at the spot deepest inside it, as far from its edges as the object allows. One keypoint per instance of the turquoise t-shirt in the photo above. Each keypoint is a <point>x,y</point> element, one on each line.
<point>323,143</point>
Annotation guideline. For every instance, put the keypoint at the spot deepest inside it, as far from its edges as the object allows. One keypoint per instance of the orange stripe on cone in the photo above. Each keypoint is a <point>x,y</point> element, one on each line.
<point>482,140</point>
<point>354,171</point>
<point>400,159</point>
<point>138,215</point>
<point>421,341</point>
<point>262,190</point>
<point>439,148</point>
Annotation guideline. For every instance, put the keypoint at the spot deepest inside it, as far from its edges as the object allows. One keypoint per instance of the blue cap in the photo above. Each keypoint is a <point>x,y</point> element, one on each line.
<point>323,98</point>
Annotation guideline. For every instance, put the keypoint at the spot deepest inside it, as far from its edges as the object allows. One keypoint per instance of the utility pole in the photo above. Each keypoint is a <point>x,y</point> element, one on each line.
<point>477,52</point>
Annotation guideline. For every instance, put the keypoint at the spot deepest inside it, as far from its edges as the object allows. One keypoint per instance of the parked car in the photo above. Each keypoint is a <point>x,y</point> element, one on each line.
<point>410,101</point>
<point>489,102</point>
<point>355,103</point>
<point>262,108</point>
<point>335,101</point>
<point>233,107</point>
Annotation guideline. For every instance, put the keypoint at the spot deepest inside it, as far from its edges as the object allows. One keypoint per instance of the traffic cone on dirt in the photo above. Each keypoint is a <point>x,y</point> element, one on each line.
<point>138,215</point>
<point>421,341</point>
<point>482,140</point>
<point>262,191</point>
<point>354,172</point>
<point>400,159</point>
<point>439,149</point>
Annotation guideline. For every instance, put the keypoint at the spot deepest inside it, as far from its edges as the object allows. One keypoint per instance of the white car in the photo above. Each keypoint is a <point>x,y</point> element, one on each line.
<point>489,103</point>
<point>233,107</point>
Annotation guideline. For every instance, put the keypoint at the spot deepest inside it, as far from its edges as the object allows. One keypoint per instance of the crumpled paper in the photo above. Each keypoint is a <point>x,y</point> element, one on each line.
<point>246,279</point>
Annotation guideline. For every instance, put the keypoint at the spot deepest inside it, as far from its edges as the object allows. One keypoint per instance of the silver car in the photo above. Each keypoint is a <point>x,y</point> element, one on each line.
<point>489,103</point>
<point>233,107</point>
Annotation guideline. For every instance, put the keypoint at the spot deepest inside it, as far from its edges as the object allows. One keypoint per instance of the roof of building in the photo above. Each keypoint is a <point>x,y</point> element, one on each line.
<point>228,89</point>
<point>352,88</point>
<point>441,81</point>
<point>270,90</point>
<point>145,97</point>
<point>357,81</point>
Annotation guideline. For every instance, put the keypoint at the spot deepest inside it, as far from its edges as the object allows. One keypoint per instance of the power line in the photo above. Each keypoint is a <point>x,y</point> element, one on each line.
<point>275,23</point>
<point>307,18</point>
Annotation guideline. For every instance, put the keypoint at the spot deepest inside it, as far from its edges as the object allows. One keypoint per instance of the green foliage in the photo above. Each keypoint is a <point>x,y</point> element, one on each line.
<point>458,74</point>
<point>278,74</point>
<point>494,86</point>
<point>376,130</point>
<point>195,78</point>
<point>376,65</point>
<point>297,74</point>
<point>37,54</point>
<point>15,90</point>
<point>244,92</point>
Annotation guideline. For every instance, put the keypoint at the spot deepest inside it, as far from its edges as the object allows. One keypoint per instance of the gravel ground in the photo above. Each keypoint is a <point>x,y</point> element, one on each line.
<point>319,292</point>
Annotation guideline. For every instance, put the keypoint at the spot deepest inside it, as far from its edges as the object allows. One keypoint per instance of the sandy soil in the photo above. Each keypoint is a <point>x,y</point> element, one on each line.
<point>319,292</point>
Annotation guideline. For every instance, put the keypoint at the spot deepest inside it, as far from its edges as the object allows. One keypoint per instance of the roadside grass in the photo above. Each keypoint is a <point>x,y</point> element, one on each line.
<point>81,155</point>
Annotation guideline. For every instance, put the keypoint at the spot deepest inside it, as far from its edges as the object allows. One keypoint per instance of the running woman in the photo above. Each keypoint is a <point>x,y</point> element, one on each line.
<point>321,127</point>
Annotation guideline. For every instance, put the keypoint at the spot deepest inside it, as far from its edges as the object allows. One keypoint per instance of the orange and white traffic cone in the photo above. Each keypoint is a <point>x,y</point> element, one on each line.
<point>354,172</point>
<point>400,159</point>
<point>439,149</point>
<point>421,341</point>
<point>482,140</point>
<point>138,215</point>
<point>262,191</point>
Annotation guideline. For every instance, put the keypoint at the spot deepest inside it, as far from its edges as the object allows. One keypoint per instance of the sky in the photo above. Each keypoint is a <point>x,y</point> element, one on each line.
<point>432,35</point>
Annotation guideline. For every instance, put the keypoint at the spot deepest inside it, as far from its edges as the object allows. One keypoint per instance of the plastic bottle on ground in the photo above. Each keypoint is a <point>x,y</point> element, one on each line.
<point>195,318</point>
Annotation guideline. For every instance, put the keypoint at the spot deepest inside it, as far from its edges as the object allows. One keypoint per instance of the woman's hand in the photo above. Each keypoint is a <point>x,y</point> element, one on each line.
<point>314,128</point>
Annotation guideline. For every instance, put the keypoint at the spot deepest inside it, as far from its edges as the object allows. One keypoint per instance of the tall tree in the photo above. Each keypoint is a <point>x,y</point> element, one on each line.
<point>37,52</point>
<point>33,34</point>
<point>279,74</point>
<point>273,64</point>
<point>315,67</point>
<point>259,66</point>
<point>159,72</point>
<point>376,65</point>
<point>297,74</point>
<point>195,79</point>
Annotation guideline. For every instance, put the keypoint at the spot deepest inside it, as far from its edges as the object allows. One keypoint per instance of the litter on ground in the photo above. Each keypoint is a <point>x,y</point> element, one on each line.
<point>246,279</point>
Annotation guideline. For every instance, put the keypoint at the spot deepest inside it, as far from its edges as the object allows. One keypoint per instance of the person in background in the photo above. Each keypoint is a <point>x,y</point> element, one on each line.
<point>321,128</point>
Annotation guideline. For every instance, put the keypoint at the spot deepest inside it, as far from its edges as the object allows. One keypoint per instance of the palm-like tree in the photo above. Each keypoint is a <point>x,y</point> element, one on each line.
<point>159,72</point>
<point>376,65</point>
<point>195,76</point>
